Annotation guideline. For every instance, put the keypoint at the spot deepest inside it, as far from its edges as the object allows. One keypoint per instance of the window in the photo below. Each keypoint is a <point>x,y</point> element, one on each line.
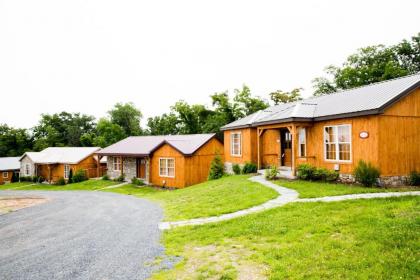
<point>167,167</point>
<point>66,171</point>
<point>5,175</point>
<point>337,142</point>
<point>27,169</point>
<point>116,163</point>
<point>302,142</point>
<point>236,144</point>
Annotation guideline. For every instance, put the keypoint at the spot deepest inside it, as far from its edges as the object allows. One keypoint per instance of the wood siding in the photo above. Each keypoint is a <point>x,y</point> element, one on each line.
<point>166,151</point>
<point>8,179</point>
<point>249,144</point>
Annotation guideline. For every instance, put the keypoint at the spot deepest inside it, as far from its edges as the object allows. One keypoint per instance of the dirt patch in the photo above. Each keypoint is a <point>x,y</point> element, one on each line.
<point>10,204</point>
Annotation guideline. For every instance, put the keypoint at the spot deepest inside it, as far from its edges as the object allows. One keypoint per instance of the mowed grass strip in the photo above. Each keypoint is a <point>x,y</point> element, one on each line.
<point>89,185</point>
<point>359,239</point>
<point>11,186</point>
<point>308,189</point>
<point>211,198</point>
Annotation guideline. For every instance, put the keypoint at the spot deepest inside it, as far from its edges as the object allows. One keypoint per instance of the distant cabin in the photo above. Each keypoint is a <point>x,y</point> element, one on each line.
<point>169,161</point>
<point>378,123</point>
<point>9,166</point>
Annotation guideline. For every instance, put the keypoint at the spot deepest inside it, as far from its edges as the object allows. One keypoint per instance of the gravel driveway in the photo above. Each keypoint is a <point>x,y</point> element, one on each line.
<point>80,235</point>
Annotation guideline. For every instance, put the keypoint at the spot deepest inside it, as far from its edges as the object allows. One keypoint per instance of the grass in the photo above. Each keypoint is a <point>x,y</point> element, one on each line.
<point>359,239</point>
<point>89,185</point>
<point>14,185</point>
<point>211,198</point>
<point>308,189</point>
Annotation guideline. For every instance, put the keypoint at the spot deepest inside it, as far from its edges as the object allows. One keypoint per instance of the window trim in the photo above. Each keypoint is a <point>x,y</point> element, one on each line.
<point>167,168</point>
<point>240,144</point>
<point>337,148</point>
<point>115,163</point>
<point>304,142</point>
<point>7,175</point>
<point>66,174</point>
<point>27,169</point>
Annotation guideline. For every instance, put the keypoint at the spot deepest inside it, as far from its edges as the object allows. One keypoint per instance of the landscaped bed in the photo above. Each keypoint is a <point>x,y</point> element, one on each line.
<point>211,198</point>
<point>360,239</point>
<point>308,189</point>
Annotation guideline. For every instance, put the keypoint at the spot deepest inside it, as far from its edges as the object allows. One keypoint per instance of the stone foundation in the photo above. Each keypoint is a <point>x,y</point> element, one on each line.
<point>129,168</point>
<point>229,167</point>
<point>383,181</point>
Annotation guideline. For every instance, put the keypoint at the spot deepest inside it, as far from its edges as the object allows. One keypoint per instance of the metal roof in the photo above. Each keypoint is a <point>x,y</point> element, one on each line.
<point>69,155</point>
<point>9,163</point>
<point>370,99</point>
<point>145,145</point>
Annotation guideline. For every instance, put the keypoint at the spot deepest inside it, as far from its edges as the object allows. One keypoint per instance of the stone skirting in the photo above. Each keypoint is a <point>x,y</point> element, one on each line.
<point>229,167</point>
<point>384,181</point>
<point>129,168</point>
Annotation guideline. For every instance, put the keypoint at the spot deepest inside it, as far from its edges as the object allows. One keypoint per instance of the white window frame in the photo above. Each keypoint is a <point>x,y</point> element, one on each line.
<point>302,129</point>
<point>27,169</point>
<point>337,143</point>
<point>232,134</point>
<point>7,175</point>
<point>166,172</point>
<point>66,171</point>
<point>116,166</point>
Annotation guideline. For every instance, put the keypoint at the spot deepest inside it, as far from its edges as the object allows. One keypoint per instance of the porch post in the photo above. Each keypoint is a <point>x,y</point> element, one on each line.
<point>294,148</point>
<point>98,166</point>
<point>259,133</point>
<point>122,165</point>
<point>49,173</point>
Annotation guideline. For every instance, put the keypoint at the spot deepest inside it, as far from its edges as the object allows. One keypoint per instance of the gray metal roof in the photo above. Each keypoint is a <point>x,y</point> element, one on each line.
<point>366,100</point>
<point>145,145</point>
<point>69,155</point>
<point>9,163</point>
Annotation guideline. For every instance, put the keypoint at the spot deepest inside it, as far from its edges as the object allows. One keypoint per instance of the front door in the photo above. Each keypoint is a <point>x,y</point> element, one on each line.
<point>141,168</point>
<point>286,148</point>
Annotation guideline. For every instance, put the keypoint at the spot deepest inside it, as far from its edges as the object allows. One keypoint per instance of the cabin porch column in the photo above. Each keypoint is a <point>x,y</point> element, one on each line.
<point>293,132</point>
<point>98,166</point>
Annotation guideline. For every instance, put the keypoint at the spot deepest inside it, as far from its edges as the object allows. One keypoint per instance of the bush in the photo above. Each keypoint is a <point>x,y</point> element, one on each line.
<point>305,171</point>
<point>414,178</point>
<point>320,174</point>
<point>15,178</point>
<point>271,172</point>
<point>120,178</point>
<point>70,180</point>
<point>105,177</point>
<point>331,176</point>
<point>236,169</point>
<point>217,168</point>
<point>79,176</point>
<point>25,179</point>
<point>366,173</point>
<point>60,182</point>
<point>249,167</point>
<point>137,181</point>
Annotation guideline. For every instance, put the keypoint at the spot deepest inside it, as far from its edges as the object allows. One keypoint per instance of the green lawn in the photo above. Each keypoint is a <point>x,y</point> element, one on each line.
<point>211,198</point>
<point>359,239</point>
<point>307,189</point>
<point>14,185</point>
<point>88,185</point>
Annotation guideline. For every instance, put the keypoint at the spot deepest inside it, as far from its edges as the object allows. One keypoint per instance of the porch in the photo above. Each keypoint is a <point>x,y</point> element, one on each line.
<point>129,166</point>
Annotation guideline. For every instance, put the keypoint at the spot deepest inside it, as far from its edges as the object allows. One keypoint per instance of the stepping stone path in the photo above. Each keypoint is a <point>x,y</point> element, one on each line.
<point>285,196</point>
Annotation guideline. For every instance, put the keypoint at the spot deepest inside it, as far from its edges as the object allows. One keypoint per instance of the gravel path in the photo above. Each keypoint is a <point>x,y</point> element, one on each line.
<point>80,235</point>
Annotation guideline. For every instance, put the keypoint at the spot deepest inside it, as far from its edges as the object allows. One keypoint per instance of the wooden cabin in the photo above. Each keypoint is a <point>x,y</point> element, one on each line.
<point>378,123</point>
<point>168,161</point>
<point>9,166</point>
<point>56,162</point>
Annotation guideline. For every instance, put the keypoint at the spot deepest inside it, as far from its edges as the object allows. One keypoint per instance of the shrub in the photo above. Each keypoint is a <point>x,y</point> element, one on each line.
<point>15,178</point>
<point>249,167</point>
<point>271,172</point>
<point>305,171</point>
<point>79,176</point>
<point>120,178</point>
<point>331,176</point>
<point>25,179</point>
<point>236,169</point>
<point>70,180</point>
<point>60,182</point>
<point>217,169</point>
<point>414,178</point>
<point>366,173</point>
<point>320,174</point>
<point>105,177</point>
<point>137,181</point>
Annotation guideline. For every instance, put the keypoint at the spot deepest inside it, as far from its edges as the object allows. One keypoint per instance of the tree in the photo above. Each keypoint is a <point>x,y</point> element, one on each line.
<point>108,133</point>
<point>217,169</point>
<point>191,118</point>
<point>14,142</point>
<point>371,64</point>
<point>163,125</point>
<point>245,104</point>
<point>280,96</point>
<point>128,117</point>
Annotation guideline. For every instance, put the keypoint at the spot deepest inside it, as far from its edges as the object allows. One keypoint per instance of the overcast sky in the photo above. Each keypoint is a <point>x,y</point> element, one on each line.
<point>84,56</point>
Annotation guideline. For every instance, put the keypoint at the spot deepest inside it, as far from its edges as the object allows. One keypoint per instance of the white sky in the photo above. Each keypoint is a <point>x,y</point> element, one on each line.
<point>84,56</point>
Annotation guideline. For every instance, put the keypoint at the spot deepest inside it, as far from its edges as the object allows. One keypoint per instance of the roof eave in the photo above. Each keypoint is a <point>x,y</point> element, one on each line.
<point>283,121</point>
<point>348,115</point>
<point>122,154</point>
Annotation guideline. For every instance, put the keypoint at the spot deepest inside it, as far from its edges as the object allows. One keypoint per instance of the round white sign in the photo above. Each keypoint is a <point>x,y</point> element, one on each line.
<point>364,134</point>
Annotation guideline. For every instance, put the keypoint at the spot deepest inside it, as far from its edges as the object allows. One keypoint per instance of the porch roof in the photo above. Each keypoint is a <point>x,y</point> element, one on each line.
<point>366,100</point>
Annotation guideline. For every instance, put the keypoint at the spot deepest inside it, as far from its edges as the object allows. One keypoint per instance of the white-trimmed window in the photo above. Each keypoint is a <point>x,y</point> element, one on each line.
<point>116,164</point>
<point>27,169</point>
<point>337,142</point>
<point>302,142</point>
<point>66,171</point>
<point>236,144</point>
<point>167,167</point>
<point>5,175</point>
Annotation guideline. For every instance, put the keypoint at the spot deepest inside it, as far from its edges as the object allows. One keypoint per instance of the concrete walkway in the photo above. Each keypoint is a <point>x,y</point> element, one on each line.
<point>285,196</point>
<point>113,186</point>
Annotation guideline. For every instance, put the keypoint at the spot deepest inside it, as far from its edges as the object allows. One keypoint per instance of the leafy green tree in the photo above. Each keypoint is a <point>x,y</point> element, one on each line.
<point>14,142</point>
<point>217,168</point>
<point>108,133</point>
<point>191,118</point>
<point>371,64</point>
<point>163,125</point>
<point>280,96</point>
<point>128,117</point>
<point>245,104</point>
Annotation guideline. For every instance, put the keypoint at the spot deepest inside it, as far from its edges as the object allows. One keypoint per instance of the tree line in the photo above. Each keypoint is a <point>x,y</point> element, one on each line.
<point>368,65</point>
